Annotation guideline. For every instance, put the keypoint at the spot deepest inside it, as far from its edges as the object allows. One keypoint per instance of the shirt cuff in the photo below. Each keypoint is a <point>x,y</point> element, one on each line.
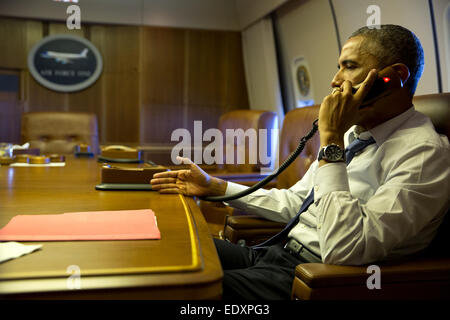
<point>233,188</point>
<point>330,177</point>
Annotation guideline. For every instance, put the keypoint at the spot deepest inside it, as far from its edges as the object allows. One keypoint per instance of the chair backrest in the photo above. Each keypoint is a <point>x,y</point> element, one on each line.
<point>296,124</point>
<point>243,120</point>
<point>59,132</point>
<point>437,108</point>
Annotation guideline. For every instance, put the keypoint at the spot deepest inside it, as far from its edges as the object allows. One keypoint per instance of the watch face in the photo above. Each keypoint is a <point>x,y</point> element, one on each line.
<point>334,153</point>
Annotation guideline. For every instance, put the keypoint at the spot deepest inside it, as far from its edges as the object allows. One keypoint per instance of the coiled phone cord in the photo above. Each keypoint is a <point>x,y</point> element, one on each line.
<point>270,177</point>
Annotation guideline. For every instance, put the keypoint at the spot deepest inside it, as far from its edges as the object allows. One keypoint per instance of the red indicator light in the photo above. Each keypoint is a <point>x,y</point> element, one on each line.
<point>386,79</point>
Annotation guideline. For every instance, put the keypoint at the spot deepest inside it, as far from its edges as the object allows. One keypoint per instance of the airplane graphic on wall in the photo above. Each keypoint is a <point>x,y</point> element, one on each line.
<point>65,57</point>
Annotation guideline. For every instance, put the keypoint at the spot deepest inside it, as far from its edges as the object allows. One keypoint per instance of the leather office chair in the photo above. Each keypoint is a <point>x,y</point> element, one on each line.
<point>251,229</point>
<point>422,276</point>
<point>245,173</point>
<point>59,132</point>
<point>243,120</point>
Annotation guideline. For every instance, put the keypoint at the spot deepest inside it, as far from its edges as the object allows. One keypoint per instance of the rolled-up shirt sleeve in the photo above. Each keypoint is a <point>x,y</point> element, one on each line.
<point>275,204</point>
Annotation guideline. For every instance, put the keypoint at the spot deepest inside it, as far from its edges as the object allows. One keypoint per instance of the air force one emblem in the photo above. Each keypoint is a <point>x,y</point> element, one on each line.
<point>65,63</point>
<point>64,57</point>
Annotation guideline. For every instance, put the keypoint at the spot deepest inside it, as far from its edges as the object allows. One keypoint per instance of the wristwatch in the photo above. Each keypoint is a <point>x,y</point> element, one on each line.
<point>332,153</point>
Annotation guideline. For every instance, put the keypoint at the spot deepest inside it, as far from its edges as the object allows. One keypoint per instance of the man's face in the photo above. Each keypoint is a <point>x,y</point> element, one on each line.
<point>355,62</point>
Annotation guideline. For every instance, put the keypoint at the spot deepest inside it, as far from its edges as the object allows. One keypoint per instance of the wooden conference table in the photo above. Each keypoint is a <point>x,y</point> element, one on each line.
<point>183,264</point>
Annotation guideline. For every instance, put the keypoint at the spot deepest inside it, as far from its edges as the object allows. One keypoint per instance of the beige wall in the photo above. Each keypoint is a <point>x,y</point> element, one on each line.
<point>250,11</point>
<point>305,28</point>
<point>261,68</point>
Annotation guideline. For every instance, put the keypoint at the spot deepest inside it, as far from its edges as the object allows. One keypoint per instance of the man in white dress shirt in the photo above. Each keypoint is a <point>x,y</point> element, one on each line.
<point>387,203</point>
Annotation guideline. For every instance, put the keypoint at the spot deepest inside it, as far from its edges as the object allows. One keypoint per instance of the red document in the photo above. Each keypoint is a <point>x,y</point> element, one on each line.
<point>96,225</point>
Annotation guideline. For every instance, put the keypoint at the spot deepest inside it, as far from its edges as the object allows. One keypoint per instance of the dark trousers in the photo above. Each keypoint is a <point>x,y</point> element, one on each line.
<point>262,274</point>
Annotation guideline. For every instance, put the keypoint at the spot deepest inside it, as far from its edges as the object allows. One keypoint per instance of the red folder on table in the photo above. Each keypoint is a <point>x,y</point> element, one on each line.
<point>96,225</point>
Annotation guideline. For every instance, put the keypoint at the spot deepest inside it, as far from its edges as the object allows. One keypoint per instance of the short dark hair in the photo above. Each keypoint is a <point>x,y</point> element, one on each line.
<point>396,44</point>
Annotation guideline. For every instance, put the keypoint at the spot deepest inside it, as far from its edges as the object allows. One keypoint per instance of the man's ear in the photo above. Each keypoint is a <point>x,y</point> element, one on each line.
<point>402,70</point>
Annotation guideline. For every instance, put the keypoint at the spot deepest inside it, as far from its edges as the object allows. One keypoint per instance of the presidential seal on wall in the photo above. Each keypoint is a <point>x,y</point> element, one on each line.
<point>303,89</point>
<point>65,63</point>
<point>303,80</point>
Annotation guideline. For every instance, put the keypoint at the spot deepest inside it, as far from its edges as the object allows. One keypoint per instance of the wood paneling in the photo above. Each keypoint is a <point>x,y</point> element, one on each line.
<point>61,28</point>
<point>12,53</point>
<point>119,47</point>
<point>163,65</point>
<point>162,83</point>
<point>215,69</point>
<point>119,83</point>
<point>207,67</point>
<point>154,79</point>
<point>39,98</point>
<point>10,113</point>
<point>10,108</point>
<point>121,107</point>
<point>237,97</point>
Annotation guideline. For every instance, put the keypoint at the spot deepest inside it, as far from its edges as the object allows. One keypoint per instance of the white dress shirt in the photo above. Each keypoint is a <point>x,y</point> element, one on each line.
<point>387,203</point>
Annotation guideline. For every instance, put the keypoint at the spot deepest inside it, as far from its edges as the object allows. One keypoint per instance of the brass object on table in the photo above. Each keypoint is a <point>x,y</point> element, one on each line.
<point>22,158</point>
<point>6,161</point>
<point>39,160</point>
<point>57,158</point>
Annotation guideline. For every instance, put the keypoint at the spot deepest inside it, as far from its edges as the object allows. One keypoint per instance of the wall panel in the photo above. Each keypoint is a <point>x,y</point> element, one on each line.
<point>305,29</point>
<point>40,98</point>
<point>119,83</point>
<point>237,95</point>
<point>10,108</point>
<point>119,46</point>
<point>13,53</point>
<point>442,20</point>
<point>121,107</point>
<point>216,81</point>
<point>162,83</point>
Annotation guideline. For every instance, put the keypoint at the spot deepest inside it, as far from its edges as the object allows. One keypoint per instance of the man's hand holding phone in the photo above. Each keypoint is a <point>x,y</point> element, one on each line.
<point>340,110</point>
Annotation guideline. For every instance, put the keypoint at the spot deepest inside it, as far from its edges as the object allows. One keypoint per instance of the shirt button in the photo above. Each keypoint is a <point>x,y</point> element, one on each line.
<point>316,188</point>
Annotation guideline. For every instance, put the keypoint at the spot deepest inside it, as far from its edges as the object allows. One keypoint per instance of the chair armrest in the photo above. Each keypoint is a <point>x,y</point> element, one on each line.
<point>252,222</point>
<point>415,278</point>
<point>250,230</point>
<point>320,275</point>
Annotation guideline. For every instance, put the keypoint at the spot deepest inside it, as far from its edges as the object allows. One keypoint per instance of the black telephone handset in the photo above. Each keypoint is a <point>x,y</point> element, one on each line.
<point>387,80</point>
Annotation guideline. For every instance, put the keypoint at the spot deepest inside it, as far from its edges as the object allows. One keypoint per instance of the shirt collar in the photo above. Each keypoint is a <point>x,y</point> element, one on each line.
<point>381,132</point>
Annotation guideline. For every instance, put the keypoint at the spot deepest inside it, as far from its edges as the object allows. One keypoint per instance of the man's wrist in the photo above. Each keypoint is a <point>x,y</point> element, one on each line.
<point>218,186</point>
<point>327,138</point>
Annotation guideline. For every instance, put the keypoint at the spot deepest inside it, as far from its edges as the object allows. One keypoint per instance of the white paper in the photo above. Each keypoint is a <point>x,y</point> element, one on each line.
<point>51,164</point>
<point>13,250</point>
<point>21,147</point>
